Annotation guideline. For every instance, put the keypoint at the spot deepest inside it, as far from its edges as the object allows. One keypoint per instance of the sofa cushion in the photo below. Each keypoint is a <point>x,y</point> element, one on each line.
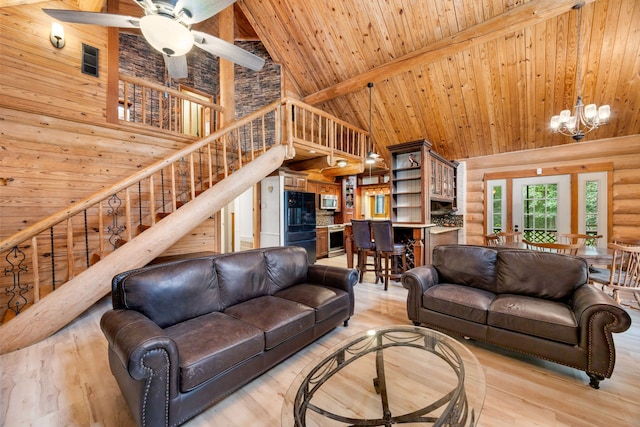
<point>210,344</point>
<point>170,293</point>
<point>241,276</point>
<point>467,265</point>
<point>325,301</point>
<point>534,316</point>
<point>463,302</point>
<point>540,274</point>
<point>286,266</point>
<point>279,318</point>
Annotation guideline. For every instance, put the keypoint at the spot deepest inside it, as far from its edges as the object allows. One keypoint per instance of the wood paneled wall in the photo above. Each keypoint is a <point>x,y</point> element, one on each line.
<point>623,152</point>
<point>40,78</point>
<point>49,163</point>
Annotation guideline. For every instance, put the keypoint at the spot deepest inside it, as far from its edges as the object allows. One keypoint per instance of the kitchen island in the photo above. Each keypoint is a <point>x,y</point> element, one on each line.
<point>419,239</point>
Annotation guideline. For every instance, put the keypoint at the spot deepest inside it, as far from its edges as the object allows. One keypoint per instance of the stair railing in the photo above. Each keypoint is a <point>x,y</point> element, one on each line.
<point>51,252</point>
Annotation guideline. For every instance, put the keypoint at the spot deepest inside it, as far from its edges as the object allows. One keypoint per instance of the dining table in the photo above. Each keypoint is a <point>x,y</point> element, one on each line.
<point>592,254</point>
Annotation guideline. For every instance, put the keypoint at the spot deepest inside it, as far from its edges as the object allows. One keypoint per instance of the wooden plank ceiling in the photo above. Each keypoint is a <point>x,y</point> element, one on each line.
<point>473,77</point>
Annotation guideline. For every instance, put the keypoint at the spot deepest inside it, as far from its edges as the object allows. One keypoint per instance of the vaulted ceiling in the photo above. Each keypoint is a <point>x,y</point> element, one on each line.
<point>473,77</point>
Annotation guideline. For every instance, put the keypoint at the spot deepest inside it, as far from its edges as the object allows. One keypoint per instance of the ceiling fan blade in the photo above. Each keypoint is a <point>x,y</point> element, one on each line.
<point>199,10</point>
<point>176,66</point>
<point>94,18</point>
<point>227,50</point>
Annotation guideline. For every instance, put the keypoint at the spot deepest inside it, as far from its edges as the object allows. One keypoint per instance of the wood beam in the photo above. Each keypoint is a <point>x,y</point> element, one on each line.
<point>113,67</point>
<point>227,73</point>
<point>310,164</point>
<point>526,15</point>
<point>322,164</point>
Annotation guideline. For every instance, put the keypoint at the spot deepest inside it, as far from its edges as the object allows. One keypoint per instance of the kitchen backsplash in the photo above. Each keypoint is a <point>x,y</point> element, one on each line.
<point>448,220</point>
<point>324,217</point>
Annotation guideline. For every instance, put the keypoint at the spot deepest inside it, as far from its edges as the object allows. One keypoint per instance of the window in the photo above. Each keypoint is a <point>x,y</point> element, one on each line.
<point>496,205</point>
<point>592,205</point>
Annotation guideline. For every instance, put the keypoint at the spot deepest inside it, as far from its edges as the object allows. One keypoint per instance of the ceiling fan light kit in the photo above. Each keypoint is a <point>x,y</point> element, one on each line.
<point>585,118</point>
<point>157,28</point>
<point>166,25</point>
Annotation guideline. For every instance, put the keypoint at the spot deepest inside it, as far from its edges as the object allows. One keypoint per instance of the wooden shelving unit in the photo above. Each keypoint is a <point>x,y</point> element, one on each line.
<point>418,177</point>
<point>409,185</point>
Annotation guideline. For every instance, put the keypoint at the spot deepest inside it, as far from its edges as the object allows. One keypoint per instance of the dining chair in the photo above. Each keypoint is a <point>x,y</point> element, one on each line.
<point>560,248</point>
<point>365,248</point>
<point>626,241</point>
<point>509,236</point>
<point>624,274</point>
<point>583,239</point>
<point>393,253</point>
<point>491,239</point>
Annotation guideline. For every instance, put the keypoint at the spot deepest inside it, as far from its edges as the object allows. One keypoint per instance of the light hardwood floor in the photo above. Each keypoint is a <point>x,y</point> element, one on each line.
<point>65,380</point>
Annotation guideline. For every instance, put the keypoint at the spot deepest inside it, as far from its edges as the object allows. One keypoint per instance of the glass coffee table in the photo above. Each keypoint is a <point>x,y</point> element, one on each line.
<point>405,375</point>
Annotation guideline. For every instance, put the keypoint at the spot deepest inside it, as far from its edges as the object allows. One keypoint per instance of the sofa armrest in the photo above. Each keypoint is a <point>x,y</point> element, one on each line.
<point>140,345</point>
<point>598,316</point>
<point>417,281</point>
<point>335,277</point>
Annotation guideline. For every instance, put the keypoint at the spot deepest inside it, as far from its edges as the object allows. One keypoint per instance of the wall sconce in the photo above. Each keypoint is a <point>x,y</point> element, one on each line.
<point>342,163</point>
<point>57,35</point>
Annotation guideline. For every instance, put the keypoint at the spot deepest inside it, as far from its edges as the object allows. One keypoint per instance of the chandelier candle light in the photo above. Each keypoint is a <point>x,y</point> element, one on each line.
<point>585,118</point>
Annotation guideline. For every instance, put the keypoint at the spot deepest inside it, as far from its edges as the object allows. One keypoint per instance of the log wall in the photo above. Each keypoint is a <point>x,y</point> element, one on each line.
<point>623,152</point>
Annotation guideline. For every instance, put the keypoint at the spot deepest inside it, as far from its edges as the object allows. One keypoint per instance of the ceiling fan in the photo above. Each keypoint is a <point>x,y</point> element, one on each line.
<point>166,25</point>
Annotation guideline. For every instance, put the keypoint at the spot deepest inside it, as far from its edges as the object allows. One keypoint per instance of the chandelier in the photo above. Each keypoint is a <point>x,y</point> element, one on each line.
<point>584,118</point>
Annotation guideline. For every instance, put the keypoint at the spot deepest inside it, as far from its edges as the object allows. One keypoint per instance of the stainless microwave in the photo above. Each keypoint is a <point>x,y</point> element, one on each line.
<point>328,201</point>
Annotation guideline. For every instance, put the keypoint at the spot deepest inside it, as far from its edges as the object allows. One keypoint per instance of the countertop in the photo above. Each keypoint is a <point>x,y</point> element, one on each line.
<point>433,229</point>
<point>440,230</point>
<point>412,225</point>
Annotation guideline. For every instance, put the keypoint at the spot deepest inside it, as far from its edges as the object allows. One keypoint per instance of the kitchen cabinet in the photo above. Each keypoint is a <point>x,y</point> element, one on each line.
<point>442,179</point>
<point>312,186</point>
<point>322,242</point>
<point>328,188</point>
<point>418,177</point>
<point>440,236</point>
<point>322,187</point>
<point>347,199</point>
<point>294,182</point>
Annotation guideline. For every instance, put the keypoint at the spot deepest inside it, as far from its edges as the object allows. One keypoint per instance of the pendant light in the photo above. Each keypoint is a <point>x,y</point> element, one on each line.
<point>371,155</point>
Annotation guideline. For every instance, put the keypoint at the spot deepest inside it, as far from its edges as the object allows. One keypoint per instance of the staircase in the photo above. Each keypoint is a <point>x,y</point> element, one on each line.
<point>136,220</point>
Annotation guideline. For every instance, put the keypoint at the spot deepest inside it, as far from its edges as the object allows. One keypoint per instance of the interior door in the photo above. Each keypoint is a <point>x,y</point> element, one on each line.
<point>542,207</point>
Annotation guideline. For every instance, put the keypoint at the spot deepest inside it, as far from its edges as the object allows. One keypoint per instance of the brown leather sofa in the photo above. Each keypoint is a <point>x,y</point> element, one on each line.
<point>533,302</point>
<point>185,334</point>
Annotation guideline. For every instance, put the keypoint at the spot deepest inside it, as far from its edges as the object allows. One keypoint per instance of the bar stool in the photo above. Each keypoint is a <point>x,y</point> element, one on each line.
<point>365,248</point>
<point>390,251</point>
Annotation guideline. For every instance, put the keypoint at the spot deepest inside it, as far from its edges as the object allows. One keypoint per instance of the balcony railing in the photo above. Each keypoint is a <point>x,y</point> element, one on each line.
<point>152,105</point>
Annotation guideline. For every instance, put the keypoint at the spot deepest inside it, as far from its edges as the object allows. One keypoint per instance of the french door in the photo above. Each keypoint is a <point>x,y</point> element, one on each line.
<point>542,207</point>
